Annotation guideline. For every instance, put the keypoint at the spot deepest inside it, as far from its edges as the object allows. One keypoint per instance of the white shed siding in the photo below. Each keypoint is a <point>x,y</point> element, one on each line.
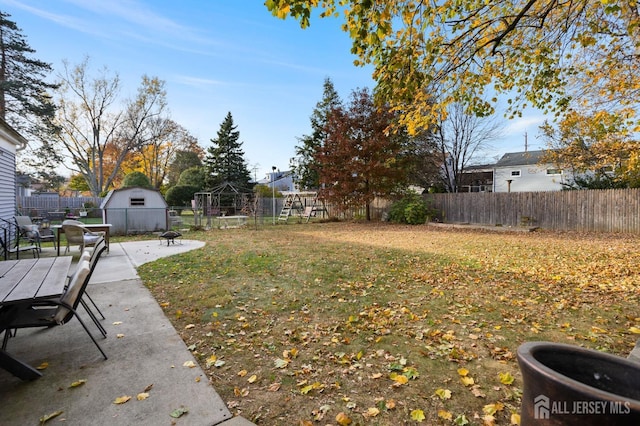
<point>127,217</point>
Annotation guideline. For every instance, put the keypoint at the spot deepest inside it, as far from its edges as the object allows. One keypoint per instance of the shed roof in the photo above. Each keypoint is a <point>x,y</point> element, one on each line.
<point>115,192</point>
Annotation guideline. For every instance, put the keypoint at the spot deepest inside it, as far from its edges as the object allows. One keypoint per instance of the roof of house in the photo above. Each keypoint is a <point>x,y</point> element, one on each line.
<point>520,158</point>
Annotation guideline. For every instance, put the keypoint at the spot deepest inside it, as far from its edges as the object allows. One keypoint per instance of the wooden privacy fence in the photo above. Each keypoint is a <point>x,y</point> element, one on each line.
<point>611,210</point>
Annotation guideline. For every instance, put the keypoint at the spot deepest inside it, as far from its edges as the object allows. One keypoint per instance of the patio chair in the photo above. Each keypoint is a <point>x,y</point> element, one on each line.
<point>54,312</point>
<point>33,233</point>
<point>77,234</point>
<point>10,241</point>
<point>92,257</point>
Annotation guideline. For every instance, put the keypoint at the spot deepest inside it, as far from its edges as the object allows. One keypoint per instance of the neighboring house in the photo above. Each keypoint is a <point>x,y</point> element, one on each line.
<point>477,178</point>
<point>10,142</point>
<point>135,210</point>
<point>282,181</point>
<point>524,172</point>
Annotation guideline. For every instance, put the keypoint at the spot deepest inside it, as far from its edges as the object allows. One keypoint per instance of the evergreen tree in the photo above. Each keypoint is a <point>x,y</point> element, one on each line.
<point>224,161</point>
<point>24,99</point>
<point>305,165</point>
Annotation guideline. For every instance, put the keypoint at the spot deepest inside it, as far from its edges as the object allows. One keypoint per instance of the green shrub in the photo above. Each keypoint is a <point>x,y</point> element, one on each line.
<point>181,195</point>
<point>411,209</point>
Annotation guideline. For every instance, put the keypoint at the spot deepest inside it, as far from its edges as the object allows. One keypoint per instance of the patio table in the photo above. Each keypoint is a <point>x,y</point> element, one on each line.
<point>26,281</point>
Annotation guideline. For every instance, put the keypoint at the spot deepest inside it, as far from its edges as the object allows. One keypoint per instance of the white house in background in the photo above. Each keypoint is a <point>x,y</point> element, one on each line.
<point>10,142</point>
<point>524,172</point>
<point>282,181</point>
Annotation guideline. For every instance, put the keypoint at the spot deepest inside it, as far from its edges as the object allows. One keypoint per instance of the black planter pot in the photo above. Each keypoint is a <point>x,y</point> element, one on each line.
<point>570,385</point>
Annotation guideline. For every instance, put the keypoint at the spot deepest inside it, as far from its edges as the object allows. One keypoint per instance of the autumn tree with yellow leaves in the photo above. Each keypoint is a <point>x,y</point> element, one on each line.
<point>550,54</point>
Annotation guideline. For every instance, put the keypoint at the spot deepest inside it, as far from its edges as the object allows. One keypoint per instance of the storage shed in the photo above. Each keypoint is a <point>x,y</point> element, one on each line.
<point>135,210</point>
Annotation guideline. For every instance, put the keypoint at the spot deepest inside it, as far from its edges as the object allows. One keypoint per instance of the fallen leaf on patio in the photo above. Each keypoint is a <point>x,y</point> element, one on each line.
<point>179,412</point>
<point>42,366</point>
<point>417,415</point>
<point>122,399</point>
<point>142,396</point>
<point>48,417</point>
<point>117,323</point>
<point>148,388</point>
<point>78,383</point>
<point>119,335</point>
<point>189,364</point>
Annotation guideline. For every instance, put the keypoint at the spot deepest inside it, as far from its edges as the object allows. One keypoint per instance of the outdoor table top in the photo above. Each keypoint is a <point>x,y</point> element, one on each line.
<point>26,281</point>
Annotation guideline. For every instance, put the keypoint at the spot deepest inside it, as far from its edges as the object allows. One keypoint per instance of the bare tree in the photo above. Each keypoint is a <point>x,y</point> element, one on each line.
<point>89,121</point>
<point>460,138</point>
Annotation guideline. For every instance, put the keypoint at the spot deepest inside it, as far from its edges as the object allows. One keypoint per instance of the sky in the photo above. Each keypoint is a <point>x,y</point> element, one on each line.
<point>217,56</point>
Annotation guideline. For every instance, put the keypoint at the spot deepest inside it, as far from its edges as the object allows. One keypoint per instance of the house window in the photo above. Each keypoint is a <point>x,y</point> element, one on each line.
<point>515,173</point>
<point>136,201</point>
<point>553,172</point>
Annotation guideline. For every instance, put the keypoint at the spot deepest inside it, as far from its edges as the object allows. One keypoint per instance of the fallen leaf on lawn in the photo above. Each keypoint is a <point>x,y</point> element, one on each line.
<point>444,414</point>
<point>475,390</point>
<point>491,409</point>
<point>343,419</point>
<point>443,393</point>
<point>142,396</point>
<point>489,420</point>
<point>515,419</point>
<point>274,387</point>
<point>164,304</point>
<point>122,399</point>
<point>376,375</point>
<point>219,363</point>
<point>189,326</point>
<point>467,381</point>
<point>399,379</point>
<point>178,412</point>
<point>280,363</point>
<point>252,378</point>
<point>463,372</point>
<point>242,373</point>
<point>211,360</point>
<point>78,383</point>
<point>42,366</point>
<point>417,415</point>
<point>50,416</point>
<point>506,378</point>
<point>390,404</point>
<point>634,330</point>
<point>189,364</point>
<point>372,412</point>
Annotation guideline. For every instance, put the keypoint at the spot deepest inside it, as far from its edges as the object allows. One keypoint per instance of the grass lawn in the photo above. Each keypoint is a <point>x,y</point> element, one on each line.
<point>384,324</point>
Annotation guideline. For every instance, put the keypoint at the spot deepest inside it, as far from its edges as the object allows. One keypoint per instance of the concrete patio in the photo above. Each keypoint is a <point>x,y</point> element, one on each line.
<point>144,350</point>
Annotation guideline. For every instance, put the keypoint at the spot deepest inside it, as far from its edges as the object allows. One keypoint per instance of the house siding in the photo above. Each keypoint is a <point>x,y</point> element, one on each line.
<point>7,182</point>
